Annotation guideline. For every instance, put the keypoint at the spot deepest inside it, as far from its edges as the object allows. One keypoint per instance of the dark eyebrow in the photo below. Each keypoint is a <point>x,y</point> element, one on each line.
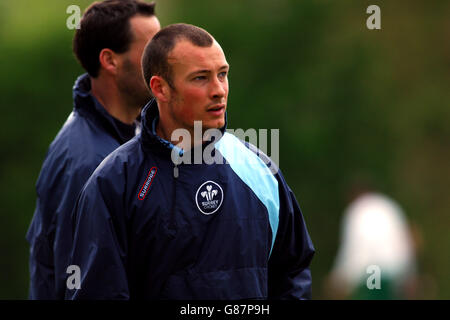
<point>198,71</point>
<point>208,71</point>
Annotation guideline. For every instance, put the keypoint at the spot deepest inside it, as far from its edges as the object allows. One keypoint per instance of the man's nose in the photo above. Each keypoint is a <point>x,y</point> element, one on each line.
<point>218,88</point>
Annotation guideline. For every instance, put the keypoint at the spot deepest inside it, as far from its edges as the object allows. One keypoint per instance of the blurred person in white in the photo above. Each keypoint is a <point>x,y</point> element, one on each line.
<point>376,257</point>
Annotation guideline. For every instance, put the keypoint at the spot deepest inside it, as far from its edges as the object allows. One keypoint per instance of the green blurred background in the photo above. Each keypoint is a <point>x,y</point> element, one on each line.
<point>349,102</point>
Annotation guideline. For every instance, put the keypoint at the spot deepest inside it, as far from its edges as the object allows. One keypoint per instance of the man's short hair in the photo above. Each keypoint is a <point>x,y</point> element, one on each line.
<point>154,58</point>
<point>106,24</point>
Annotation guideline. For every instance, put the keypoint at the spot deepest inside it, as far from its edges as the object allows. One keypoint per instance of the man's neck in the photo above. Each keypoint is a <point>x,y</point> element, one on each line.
<point>164,130</point>
<point>107,93</point>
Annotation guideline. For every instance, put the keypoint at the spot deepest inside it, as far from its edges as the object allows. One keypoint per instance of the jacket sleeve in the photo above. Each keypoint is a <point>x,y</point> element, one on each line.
<point>57,189</point>
<point>99,244</point>
<point>42,272</point>
<point>289,272</point>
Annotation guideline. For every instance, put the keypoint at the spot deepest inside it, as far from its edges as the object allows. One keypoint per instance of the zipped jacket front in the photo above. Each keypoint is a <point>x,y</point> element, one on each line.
<point>146,228</point>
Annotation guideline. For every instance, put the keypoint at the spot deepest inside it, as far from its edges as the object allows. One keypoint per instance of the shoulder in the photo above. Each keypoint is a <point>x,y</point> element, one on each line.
<point>240,151</point>
<point>80,144</point>
<point>120,161</point>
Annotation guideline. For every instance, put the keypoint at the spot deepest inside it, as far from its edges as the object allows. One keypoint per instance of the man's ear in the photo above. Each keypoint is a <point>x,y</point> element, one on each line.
<point>108,60</point>
<point>160,88</point>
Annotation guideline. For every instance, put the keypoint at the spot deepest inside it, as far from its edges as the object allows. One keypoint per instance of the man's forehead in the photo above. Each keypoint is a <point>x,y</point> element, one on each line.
<point>188,54</point>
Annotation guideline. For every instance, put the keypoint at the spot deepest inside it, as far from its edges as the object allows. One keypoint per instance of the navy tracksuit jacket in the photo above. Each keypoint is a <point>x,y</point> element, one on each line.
<point>86,138</point>
<point>216,231</point>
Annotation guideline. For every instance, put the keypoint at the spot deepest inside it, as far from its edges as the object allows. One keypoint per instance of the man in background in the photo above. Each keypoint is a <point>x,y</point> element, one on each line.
<point>376,258</point>
<point>107,102</point>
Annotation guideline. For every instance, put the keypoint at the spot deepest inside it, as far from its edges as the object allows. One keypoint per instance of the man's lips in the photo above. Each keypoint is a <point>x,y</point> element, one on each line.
<point>217,109</point>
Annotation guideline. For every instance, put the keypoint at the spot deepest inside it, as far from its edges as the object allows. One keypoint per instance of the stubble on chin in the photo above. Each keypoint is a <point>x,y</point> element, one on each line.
<point>132,86</point>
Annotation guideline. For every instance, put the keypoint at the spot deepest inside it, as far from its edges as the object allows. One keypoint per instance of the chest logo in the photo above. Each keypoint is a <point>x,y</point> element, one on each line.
<point>148,182</point>
<point>209,197</point>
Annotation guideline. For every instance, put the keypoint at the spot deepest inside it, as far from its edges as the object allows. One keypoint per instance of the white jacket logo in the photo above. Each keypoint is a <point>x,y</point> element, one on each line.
<point>209,194</point>
<point>209,197</point>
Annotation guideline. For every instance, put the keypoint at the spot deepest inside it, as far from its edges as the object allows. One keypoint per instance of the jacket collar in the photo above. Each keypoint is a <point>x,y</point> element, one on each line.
<point>88,106</point>
<point>150,140</point>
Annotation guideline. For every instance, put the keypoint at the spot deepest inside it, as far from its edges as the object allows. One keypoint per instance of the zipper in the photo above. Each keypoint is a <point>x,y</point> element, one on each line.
<point>172,223</point>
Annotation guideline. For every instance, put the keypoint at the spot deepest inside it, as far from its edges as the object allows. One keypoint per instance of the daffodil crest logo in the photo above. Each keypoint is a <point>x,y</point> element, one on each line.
<point>209,197</point>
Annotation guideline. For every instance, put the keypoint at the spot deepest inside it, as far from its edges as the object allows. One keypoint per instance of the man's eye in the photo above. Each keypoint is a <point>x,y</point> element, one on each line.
<point>199,78</point>
<point>222,74</point>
